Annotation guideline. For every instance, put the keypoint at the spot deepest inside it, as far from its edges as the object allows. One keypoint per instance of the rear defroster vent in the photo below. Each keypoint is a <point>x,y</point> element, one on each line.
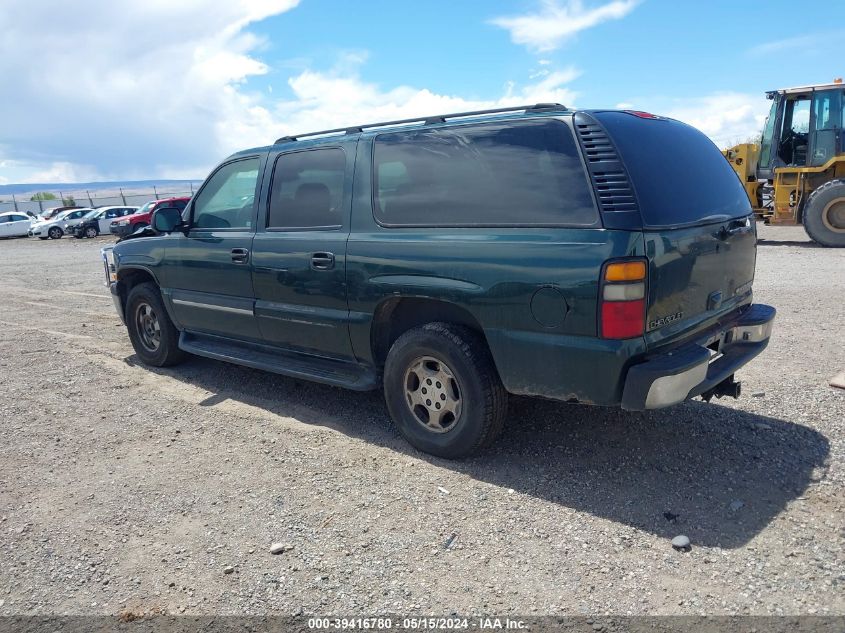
<point>610,179</point>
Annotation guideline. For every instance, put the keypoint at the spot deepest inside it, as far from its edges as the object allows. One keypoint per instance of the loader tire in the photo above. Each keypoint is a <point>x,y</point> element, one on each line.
<point>824,214</point>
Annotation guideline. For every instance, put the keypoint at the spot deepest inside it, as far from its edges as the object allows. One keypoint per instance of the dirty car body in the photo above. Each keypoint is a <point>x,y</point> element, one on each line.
<point>545,239</point>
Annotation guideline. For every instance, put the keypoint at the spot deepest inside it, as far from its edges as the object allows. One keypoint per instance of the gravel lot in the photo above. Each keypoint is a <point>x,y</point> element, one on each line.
<point>130,490</point>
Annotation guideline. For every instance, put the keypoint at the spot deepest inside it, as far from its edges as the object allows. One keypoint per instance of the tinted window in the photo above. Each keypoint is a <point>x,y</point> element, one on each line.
<point>679,176</point>
<point>18,218</point>
<point>228,198</point>
<point>514,173</point>
<point>307,189</point>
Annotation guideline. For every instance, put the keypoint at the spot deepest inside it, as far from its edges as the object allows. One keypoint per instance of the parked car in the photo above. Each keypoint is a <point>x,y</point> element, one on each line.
<point>49,214</point>
<point>141,218</point>
<point>14,224</point>
<point>60,224</point>
<point>99,220</point>
<point>455,259</point>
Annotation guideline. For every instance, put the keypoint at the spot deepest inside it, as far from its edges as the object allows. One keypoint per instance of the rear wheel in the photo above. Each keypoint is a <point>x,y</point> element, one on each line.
<point>55,233</point>
<point>443,391</point>
<point>824,214</point>
<point>153,335</point>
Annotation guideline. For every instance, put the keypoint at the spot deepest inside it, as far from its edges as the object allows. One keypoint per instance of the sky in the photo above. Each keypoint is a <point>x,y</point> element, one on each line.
<point>143,89</point>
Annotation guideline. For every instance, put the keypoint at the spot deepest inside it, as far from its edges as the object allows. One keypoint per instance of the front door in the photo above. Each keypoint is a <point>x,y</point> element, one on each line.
<point>207,274</point>
<point>299,253</point>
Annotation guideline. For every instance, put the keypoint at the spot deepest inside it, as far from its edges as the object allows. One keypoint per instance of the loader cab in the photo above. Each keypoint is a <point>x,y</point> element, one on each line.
<point>803,129</point>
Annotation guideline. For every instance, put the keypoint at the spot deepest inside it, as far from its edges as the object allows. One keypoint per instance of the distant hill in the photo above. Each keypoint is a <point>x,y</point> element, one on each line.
<point>70,187</point>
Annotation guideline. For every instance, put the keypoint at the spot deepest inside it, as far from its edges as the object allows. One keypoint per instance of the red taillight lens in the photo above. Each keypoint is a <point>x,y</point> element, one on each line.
<point>622,297</point>
<point>622,319</point>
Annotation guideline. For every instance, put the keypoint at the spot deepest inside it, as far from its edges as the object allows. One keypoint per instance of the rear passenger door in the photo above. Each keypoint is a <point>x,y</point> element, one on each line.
<point>299,252</point>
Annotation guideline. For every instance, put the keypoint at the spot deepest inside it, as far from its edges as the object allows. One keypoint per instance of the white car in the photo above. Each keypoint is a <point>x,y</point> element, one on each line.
<point>96,222</point>
<point>56,227</point>
<point>14,224</point>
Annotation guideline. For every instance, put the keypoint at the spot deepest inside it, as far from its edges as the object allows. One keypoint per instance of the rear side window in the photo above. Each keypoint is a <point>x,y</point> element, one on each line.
<point>679,175</point>
<point>495,174</point>
<point>307,189</point>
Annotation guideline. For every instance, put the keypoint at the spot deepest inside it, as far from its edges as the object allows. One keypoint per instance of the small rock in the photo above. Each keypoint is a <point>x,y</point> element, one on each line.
<point>758,394</point>
<point>597,627</point>
<point>443,490</point>
<point>280,548</point>
<point>681,543</point>
<point>672,518</point>
<point>736,505</point>
<point>228,569</point>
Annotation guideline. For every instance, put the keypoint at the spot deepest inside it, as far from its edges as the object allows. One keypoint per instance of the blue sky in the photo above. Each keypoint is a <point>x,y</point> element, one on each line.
<point>146,89</point>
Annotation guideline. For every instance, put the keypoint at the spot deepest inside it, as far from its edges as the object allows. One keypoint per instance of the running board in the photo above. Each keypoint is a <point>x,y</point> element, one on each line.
<point>325,370</point>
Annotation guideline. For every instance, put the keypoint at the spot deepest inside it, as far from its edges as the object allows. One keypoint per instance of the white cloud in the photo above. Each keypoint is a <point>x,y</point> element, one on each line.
<point>557,22</point>
<point>158,89</point>
<point>117,88</point>
<point>808,44</point>
<point>328,100</point>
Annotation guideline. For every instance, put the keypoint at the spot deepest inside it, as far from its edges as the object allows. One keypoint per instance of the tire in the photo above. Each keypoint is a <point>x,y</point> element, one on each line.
<point>475,402</point>
<point>140,225</point>
<point>153,335</point>
<point>55,233</point>
<point>824,214</point>
<point>43,238</point>
<point>91,232</point>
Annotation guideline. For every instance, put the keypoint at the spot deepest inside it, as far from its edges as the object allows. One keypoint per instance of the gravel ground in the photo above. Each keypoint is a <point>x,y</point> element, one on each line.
<point>130,490</point>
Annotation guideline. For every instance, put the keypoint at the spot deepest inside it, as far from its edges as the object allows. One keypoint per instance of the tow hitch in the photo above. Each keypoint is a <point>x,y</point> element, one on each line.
<point>728,387</point>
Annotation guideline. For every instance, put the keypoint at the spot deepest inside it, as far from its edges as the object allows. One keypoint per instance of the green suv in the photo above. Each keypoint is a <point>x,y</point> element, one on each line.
<point>601,257</point>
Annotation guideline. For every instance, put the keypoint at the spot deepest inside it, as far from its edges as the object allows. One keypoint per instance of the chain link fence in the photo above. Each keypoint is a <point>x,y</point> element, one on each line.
<point>129,198</point>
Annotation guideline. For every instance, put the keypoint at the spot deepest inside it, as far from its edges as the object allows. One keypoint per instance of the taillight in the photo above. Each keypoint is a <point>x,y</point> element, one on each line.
<point>622,298</point>
<point>643,115</point>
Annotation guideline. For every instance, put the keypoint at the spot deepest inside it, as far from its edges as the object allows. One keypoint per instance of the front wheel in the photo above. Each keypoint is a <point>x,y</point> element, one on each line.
<point>153,335</point>
<point>91,232</point>
<point>443,391</point>
<point>55,233</point>
<point>824,215</point>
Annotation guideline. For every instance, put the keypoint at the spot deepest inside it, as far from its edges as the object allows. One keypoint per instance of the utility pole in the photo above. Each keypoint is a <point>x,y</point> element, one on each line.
<point>122,197</point>
<point>14,202</point>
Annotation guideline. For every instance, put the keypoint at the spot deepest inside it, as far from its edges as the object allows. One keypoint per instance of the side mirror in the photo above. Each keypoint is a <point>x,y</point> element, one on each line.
<point>166,220</point>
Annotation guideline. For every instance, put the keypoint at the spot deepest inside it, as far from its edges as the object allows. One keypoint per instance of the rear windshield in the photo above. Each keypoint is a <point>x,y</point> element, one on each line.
<point>679,175</point>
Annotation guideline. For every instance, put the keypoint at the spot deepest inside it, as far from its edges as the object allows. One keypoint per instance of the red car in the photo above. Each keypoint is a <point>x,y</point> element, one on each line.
<point>131,223</point>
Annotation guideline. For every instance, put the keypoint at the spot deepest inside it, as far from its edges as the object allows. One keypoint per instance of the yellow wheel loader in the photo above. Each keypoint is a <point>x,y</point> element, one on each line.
<point>796,174</point>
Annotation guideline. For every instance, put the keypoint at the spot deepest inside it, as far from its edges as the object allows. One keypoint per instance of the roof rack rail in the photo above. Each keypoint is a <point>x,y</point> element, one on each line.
<point>425,120</point>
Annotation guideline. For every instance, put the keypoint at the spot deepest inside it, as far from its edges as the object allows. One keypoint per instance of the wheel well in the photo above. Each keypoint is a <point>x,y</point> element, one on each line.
<point>396,316</point>
<point>128,279</point>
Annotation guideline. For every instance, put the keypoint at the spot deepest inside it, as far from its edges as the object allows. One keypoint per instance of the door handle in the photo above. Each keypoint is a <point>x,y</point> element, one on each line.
<point>240,255</point>
<point>322,261</point>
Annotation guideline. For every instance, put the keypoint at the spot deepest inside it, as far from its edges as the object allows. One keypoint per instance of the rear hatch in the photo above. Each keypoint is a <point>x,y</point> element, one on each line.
<point>698,228</point>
